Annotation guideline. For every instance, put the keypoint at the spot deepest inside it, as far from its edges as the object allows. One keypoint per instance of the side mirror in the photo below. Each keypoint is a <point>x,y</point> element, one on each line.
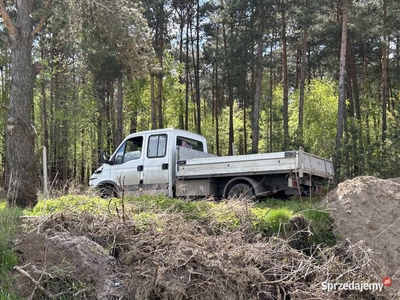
<point>103,157</point>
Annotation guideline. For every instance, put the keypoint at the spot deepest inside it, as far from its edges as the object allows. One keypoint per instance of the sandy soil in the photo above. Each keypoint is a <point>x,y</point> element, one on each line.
<point>368,209</point>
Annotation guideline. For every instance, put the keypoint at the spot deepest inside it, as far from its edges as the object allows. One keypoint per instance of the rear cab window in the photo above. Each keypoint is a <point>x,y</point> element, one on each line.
<point>189,143</point>
<point>157,146</point>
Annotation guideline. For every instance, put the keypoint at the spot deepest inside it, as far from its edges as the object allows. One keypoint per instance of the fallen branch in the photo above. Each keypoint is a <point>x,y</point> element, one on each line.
<point>41,288</point>
<point>34,281</point>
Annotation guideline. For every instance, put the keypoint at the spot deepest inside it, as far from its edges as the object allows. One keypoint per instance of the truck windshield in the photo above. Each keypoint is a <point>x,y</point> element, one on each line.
<point>189,143</point>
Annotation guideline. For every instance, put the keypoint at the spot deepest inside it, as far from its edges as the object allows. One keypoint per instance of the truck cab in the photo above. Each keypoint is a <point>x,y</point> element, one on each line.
<point>145,163</point>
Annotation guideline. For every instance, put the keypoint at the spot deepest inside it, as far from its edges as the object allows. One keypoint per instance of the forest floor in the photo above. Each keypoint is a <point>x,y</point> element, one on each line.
<point>80,255</point>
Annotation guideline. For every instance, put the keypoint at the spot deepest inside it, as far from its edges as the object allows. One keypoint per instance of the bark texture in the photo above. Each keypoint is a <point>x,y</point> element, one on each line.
<point>20,133</point>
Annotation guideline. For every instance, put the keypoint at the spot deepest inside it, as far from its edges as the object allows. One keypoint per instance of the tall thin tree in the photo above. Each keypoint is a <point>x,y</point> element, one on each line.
<point>342,78</point>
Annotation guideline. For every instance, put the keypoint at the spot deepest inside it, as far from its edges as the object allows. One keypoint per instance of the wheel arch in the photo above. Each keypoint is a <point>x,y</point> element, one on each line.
<point>256,186</point>
<point>110,184</point>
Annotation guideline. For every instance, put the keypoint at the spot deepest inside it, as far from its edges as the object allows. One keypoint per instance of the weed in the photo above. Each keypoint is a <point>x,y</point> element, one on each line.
<point>9,220</point>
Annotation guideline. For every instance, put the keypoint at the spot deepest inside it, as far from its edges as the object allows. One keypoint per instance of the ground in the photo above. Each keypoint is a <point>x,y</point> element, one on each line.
<point>83,256</point>
<point>368,209</point>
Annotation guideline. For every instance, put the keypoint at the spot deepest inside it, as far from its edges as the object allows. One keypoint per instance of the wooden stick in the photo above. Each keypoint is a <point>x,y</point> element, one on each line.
<point>34,281</point>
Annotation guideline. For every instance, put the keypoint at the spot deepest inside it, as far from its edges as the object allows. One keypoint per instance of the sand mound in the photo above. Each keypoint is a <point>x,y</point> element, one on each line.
<point>368,209</point>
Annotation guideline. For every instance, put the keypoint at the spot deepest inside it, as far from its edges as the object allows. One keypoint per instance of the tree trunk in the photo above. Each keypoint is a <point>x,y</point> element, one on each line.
<point>270,102</point>
<point>159,100</point>
<point>20,134</point>
<point>356,92</point>
<point>160,77</point>
<point>302,82</point>
<point>197,69</point>
<point>111,110</point>
<point>342,77</point>
<point>285,83</point>
<point>255,130</point>
<point>153,103</point>
<point>385,85</point>
<point>228,59</point>
<point>217,98</point>
<point>181,79</point>
<point>367,93</point>
<point>120,104</point>
<point>187,68</point>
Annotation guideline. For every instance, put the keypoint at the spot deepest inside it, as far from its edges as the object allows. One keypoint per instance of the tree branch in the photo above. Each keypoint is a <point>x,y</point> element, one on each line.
<point>35,282</point>
<point>7,21</point>
<point>104,7</point>
<point>43,19</point>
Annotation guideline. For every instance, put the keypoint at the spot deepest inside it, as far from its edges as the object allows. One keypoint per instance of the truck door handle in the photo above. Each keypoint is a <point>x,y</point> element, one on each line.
<point>164,166</point>
<point>140,168</point>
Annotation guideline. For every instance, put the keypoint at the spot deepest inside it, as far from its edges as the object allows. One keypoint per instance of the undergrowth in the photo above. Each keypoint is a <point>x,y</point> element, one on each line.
<point>9,220</point>
<point>306,225</point>
<point>230,243</point>
<point>270,218</point>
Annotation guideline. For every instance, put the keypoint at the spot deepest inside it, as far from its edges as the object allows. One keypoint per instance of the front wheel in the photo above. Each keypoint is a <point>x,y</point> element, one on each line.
<point>107,192</point>
<point>240,191</point>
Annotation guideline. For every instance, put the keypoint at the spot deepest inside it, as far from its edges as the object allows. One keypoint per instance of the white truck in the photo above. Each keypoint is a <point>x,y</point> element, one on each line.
<point>176,163</point>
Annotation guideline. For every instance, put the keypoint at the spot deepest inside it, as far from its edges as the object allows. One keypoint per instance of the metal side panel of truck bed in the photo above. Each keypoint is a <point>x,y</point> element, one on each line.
<point>254,164</point>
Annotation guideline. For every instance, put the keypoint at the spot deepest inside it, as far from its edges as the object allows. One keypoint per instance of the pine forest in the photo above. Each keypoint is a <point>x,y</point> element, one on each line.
<point>251,76</point>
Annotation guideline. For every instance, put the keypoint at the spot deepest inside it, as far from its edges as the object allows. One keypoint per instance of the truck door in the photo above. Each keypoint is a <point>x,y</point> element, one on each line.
<point>156,167</point>
<point>127,169</point>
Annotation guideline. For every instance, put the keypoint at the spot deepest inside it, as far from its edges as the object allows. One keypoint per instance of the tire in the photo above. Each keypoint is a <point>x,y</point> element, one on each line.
<point>240,191</point>
<point>107,192</point>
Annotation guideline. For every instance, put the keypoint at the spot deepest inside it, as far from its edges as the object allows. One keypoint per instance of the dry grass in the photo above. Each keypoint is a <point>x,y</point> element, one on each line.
<point>192,260</point>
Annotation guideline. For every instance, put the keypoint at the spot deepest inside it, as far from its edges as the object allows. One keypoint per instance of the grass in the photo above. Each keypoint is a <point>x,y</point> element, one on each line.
<point>271,217</point>
<point>9,220</point>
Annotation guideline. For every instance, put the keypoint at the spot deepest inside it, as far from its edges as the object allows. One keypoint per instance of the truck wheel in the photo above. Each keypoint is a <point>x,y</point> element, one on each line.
<point>107,192</point>
<point>240,191</point>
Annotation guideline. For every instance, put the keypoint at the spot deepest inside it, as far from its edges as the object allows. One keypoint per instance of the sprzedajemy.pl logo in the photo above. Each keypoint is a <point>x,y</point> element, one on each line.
<point>356,286</point>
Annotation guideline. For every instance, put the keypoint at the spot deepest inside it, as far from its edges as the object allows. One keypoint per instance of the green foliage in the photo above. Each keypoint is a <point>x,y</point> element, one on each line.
<point>160,204</point>
<point>320,110</point>
<point>271,221</point>
<point>4,295</point>
<point>270,217</point>
<point>224,217</point>
<point>73,203</point>
<point>9,220</point>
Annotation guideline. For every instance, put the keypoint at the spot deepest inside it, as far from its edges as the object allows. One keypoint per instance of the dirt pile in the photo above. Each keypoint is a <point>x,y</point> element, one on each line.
<point>63,259</point>
<point>368,209</point>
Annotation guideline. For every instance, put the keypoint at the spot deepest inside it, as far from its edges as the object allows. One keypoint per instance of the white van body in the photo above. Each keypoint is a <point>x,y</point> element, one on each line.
<point>176,163</point>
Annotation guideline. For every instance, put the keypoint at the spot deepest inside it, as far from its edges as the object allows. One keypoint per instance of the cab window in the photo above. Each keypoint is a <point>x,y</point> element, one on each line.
<point>130,150</point>
<point>189,143</point>
<point>157,146</point>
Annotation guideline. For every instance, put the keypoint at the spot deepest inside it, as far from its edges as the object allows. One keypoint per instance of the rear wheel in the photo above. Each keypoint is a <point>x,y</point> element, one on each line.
<point>240,191</point>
